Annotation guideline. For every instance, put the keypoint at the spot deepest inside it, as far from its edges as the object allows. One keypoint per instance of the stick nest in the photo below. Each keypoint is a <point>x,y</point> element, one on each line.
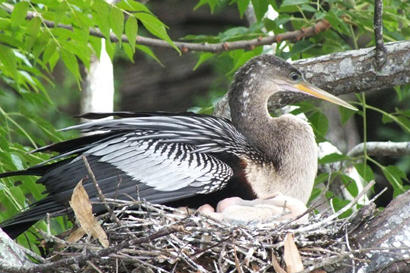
<point>145,237</point>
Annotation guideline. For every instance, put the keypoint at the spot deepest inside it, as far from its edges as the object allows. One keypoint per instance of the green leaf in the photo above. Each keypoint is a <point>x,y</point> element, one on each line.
<point>338,204</point>
<point>345,114</point>
<point>49,51</point>
<point>17,161</point>
<point>81,50</point>
<point>53,60</point>
<point>308,8</point>
<point>394,175</point>
<point>319,123</point>
<point>32,30</point>
<point>117,21</point>
<point>301,47</point>
<point>96,45</point>
<point>260,7</point>
<point>203,57</point>
<point>337,23</point>
<point>386,119</point>
<point>288,3</point>
<point>350,184</point>
<point>110,48</point>
<point>71,63</point>
<point>155,27</point>
<point>315,193</point>
<point>239,57</point>
<point>334,157</point>
<point>5,23</point>
<point>101,14</point>
<point>404,122</point>
<point>33,27</point>
<point>365,171</point>
<point>149,52</point>
<point>131,31</point>
<point>320,178</point>
<point>19,14</point>
<point>128,51</point>
<point>242,6</point>
<point>133,6</point>
<point>212,4</point>
<point>8,59</point>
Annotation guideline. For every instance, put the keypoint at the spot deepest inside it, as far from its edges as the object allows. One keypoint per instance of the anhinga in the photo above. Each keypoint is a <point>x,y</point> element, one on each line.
<point>189,159</point>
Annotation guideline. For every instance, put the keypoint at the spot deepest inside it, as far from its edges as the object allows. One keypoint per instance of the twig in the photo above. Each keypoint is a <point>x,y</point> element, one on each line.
<point>103,252</point>
<point>378,33</point>
<point>133,259</point>
<point>382,149</point>
<point>185,47</point>
<point>340,212</point>
<point>100,193</point>
<point>174,253</point>
<point>93,266</point>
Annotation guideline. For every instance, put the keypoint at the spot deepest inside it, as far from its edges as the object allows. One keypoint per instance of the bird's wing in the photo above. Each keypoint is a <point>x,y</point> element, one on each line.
<point>208,134</point>
<point>167,157</point>
<point>142,168</point>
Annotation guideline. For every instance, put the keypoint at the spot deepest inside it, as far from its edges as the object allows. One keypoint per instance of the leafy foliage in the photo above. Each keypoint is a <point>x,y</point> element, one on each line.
<point>31,42</point>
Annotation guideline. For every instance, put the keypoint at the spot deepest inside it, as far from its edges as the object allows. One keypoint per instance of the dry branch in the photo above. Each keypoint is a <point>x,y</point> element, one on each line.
<point>382,149</point>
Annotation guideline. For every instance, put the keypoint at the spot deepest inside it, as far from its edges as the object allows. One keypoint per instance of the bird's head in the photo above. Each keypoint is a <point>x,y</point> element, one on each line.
<point>269,76</point>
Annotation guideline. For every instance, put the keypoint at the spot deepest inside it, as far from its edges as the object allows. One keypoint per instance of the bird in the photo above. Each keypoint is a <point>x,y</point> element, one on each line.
<point>188,159</point>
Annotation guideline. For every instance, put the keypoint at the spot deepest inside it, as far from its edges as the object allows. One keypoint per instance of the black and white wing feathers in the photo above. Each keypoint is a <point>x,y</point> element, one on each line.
<point>168,157</point>
<point>207,133</point>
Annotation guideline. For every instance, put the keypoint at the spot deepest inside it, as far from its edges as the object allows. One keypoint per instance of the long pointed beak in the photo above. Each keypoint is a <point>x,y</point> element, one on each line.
<point>314,91</point>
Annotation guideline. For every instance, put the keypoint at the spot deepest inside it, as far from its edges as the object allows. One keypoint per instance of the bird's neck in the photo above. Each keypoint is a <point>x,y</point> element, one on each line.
<point>287,143</point>
<point>250,116</point>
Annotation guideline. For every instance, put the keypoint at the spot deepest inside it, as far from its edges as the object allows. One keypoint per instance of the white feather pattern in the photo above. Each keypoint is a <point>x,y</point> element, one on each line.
<point>207,133</point>
<point>164,166</point>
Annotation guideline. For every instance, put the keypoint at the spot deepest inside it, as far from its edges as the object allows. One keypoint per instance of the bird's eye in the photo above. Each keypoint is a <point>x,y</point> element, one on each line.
<point>295,76</point>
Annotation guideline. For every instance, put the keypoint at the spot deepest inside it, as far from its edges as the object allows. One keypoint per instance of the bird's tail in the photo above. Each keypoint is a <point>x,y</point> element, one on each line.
<point>38,170</point>
<point>22,221</point>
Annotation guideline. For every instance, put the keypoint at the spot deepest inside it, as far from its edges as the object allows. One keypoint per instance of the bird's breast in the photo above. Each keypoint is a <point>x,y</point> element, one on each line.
<point>293,168</point>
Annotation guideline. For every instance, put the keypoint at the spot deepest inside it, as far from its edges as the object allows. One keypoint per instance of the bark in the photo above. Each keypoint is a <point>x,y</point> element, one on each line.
<point>382,149</point>
<point>11,254</point>
<point>350,72</point>
<point>390,230</point>
<point>355,71</point>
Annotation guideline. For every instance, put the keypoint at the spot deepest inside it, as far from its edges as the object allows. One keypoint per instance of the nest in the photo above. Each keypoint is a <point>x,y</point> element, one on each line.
<point>144,237</point>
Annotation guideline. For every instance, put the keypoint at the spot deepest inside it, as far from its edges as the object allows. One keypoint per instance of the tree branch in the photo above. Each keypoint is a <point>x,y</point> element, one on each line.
<point>349,72</point>
<point>353,71</point>
<point>185,47</point>
<point>378,34</point>
<point>382,149</point>
<point>386,230</point>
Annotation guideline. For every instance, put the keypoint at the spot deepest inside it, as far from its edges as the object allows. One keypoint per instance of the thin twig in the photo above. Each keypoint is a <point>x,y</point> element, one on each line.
<point>340,212</point>
<point>378,33</point>
<point>94,267</point>
<point>99,191</point>
<point>79,259</point>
